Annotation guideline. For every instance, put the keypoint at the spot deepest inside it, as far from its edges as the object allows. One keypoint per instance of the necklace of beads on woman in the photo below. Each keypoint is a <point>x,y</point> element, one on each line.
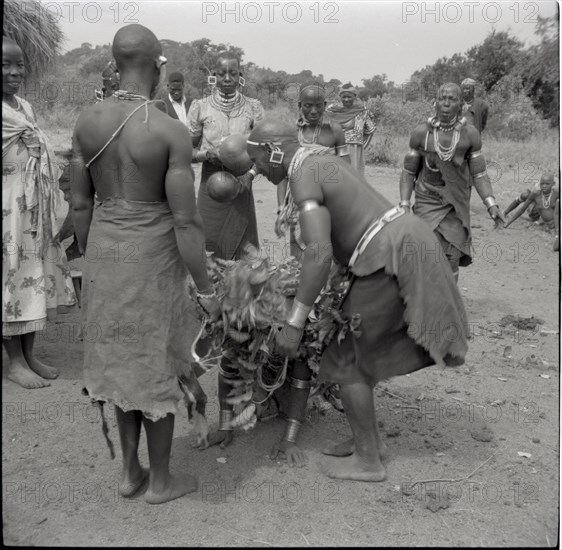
<point>446,153</point>
<point>226,105</point>
<point>546,201</point>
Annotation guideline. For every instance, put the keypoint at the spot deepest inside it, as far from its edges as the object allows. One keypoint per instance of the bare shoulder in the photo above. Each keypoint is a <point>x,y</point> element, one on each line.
<point>473,136</point>
<point>417,137</point>
<point>87,117</point>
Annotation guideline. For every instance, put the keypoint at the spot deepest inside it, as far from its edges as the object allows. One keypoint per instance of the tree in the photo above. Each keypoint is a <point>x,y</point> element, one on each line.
<point>495,57</point>
<point>540,70</point>
<point>376,85</point>
<point>36,31</point>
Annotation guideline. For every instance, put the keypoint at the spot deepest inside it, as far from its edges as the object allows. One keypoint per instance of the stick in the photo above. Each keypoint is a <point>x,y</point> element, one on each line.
<point>394,395</point>
<point>244,536</point>
<point>408,407</point>
<point>460,478</point>
<point>467,403</point>
<point>308,543</point>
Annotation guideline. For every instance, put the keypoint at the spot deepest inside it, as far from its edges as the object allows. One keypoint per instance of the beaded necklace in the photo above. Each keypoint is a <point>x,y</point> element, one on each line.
<point>446,153</point>
<point>315,134</point>
<point>124,95</point>
<point>226,105</point>
<point>546,203</point>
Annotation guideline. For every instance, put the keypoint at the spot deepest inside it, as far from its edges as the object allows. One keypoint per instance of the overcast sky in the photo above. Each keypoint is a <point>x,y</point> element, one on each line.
<point>348,40</point>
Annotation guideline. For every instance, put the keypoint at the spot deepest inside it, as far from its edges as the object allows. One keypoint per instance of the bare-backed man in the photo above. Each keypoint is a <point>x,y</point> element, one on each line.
<point>412,314</point>
<point>140,243</point>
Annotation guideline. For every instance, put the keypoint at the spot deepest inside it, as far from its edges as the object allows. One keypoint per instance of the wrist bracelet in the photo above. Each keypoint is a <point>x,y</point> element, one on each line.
<point>299,314</point>
<point>292,430</point>
<point>405,202</point>
<point>212,293</point>
<point>201,156</point>
<point>490,201</point>
<point>225,420</point>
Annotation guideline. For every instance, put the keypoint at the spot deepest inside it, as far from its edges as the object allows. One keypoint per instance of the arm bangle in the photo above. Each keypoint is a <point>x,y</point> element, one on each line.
<point>299,314</point>
<point>490,201</point>
<point>211,293</point>
<point>200,156</point>
<point>342,150</point>
<point>300,384</point>
<point>225,420</point>
<point>292,430</point>
<point>405,202</point>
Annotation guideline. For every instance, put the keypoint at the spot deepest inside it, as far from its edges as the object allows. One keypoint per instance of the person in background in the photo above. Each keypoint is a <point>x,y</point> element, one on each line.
<point>175,104</point>
<point>356,121</point>
<point>36,277</point>
<point>474,109</point>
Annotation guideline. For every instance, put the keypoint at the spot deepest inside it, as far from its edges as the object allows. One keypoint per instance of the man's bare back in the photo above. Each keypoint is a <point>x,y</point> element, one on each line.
<point>135,164</point>
<point>352,203</point>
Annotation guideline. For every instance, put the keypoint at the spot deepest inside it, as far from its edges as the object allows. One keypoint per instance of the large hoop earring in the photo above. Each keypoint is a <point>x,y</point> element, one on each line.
<point>276,157</point>
<point>242,81</point>
<point>212,80</point>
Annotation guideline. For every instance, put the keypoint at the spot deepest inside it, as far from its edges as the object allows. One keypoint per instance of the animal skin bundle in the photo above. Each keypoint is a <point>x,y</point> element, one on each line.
<point>256,296</point>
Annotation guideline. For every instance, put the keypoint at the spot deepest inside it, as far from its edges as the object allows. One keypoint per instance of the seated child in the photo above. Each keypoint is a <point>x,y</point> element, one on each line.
<point>542,200</point>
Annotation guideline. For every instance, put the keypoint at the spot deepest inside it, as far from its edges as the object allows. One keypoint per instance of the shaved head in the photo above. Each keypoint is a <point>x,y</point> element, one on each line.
<point>312,90</point>
<point>547,178</point>
<point>135,46</point>
<point>274,129</point>
<point>227,56</point>
<point>449,85</point>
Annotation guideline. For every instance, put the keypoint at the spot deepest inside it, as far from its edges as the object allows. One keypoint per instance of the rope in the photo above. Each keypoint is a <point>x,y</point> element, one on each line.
<point>145,104</point>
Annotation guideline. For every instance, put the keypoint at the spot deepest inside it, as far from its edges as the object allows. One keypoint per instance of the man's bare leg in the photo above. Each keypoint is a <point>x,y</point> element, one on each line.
<point>18,369</point>
<point>364,464</point>
<point>347,447</point>
<point>162,486</point>
<point>133,475</point>
<point>27,341</point>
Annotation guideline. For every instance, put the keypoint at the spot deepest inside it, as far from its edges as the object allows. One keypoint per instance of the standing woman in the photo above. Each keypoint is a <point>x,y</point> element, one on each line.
<point>35,273</point>
<point>357,123</point>
<point>228,225</point>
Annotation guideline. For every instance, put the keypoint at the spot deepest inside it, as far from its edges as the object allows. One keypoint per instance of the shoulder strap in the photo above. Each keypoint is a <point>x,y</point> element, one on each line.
<point>145,104</point>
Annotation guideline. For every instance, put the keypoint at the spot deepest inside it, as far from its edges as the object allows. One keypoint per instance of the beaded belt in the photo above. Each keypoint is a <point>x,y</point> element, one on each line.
<point>373,229</point>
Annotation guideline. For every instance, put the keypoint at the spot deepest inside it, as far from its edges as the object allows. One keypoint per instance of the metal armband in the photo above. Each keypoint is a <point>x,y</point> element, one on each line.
<point>225,420</point>
<point>477,165</point>
<point>298,316</point>
<point>412,162</point>
<point>292,430</point>
<point>300,384</point>
<point>342,150</point>
<point>308,205</point>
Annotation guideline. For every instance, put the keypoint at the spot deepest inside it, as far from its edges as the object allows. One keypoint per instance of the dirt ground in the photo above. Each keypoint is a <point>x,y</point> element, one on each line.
<point>484,438</point>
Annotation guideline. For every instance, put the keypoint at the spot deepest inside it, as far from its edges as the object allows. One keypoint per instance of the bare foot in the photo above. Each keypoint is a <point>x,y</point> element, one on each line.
<point>175,487</point>
<point>346,448</point>
<point>223,438</point>
<point>20,373</point>
<point>130,485</point>
<point>41,369</point>
<point>354,468</point>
